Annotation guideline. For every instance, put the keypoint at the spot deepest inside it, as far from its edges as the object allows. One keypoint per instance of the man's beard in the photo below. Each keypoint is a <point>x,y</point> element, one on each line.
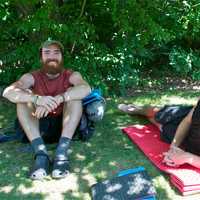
<point>52,66</point>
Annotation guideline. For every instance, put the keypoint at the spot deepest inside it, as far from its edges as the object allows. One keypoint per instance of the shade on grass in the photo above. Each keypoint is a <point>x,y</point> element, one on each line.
<point>107,153</point>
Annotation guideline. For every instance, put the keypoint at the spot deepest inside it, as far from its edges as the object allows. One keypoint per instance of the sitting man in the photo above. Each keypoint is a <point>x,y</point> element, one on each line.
<point>179,125</point>
<point>50,95</point>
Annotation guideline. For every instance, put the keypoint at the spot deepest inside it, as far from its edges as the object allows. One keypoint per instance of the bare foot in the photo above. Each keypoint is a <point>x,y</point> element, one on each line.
<point>129,108</point>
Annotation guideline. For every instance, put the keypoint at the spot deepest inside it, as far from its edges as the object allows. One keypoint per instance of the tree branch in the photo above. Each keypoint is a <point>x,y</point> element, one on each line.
<point>81,14</point>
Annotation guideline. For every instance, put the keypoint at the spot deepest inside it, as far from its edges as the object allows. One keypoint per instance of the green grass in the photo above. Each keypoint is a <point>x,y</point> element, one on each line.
<point>108,152</point>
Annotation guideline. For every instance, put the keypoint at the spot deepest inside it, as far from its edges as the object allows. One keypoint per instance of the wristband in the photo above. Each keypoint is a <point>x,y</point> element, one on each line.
<point>35,98</point>
<point>67,98</point>
<point>63,97</point>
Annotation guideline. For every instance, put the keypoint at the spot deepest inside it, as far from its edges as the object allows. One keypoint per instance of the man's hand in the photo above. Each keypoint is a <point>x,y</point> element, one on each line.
<point>175,157</point>
<point>49,102</point>
<point>40,112</point>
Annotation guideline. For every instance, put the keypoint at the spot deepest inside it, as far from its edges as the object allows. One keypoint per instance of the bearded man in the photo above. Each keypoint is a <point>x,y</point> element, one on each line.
<point>51,95</point>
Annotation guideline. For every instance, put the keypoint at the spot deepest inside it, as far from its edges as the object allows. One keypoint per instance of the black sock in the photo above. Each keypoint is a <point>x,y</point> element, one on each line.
<point>62,148</point>
<point>39,149</point>
<point>38,145</point>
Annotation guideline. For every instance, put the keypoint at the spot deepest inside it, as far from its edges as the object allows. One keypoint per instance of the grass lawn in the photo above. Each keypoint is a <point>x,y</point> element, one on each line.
<point>108,152</point>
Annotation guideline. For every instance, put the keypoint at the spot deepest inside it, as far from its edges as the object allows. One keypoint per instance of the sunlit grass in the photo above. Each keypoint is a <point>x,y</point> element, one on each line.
<point>108,152</point>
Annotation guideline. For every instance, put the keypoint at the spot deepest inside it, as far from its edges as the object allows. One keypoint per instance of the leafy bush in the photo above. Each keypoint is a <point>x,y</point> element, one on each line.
<point>110,42</point>
<point>181,61</point>
<point>185,63</point>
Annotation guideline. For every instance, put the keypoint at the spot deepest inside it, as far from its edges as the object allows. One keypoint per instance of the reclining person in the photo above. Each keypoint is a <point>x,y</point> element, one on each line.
<point>51,95</point>
<point>179,125</point>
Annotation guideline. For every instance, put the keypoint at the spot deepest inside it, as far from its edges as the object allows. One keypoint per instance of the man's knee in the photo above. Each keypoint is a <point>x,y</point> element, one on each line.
<point>74,105</point>
<point>72,111</point>
<point>151,112</point>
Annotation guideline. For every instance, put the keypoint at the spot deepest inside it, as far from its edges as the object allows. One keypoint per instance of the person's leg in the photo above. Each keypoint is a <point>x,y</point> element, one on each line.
<point>131,109</point>
<point>147,111</point>
<point>30,126</point>
<point>72,112</point>
<point>29,123</point>
<point>153,121</point>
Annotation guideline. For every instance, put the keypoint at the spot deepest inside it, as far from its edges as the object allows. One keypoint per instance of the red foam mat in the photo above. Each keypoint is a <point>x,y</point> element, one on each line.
<point>185,178</point>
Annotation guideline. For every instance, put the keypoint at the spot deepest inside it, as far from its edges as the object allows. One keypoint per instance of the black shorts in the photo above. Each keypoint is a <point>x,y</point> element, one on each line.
<point>50,129</point>
<point>170,117</point>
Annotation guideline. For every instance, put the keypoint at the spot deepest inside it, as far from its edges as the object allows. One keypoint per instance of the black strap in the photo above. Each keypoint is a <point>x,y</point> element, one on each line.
<point>40,153</point>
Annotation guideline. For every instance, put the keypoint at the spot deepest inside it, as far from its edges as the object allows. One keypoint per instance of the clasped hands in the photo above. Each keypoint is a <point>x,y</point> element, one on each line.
<point>46,104</point>
<point>175,156</point>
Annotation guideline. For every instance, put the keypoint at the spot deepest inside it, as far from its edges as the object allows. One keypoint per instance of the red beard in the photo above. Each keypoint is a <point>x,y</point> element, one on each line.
<point>52,66</point>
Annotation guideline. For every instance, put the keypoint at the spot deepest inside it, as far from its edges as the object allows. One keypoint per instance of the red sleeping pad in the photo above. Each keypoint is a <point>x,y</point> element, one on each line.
<point>185,178</point>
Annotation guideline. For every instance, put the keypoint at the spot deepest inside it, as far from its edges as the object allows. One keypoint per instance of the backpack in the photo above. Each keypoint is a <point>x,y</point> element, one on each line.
<point>93,111</point>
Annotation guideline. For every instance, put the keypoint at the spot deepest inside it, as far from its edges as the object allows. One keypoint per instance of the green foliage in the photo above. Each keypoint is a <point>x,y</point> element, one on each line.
<point>110,42</point>
<point>185,63</point>
<point>180,60</point>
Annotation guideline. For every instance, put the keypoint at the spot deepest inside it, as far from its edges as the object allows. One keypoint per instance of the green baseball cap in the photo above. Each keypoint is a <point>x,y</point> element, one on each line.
<point>50,42</point>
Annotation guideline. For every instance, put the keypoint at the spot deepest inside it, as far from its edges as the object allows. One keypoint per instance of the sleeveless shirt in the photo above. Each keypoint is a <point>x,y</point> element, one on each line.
<point>44,86</point>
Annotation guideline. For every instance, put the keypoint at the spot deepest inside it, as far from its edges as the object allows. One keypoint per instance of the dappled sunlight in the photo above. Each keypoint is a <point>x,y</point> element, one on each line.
<point>156,155</point>
<point>155,136</point>
<point>107,152</point>
<point>6,189</point>
<point>195,87</point>
<point>113,187</point>
<point>92,164</point>
<point>89,178</point>
<point>121,123</point>
<point>139,135</point>
<point>162,98</point>
<point>24,168</point>
<point>98,134</point>
<point>88,144</point>
<point>103,174</point>
<point>77,170</point>
<point>112,163</point>
<point>109,111</point>
<point>177,100</point>
<point>126,146</point>
<point>140,127</point>
<point>162,183</point>
<point>7,156</point>
<point>80,157</point>
<point>53,188</point>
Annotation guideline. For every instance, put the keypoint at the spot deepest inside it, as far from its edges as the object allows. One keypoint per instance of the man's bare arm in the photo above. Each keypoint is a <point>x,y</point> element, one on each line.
<point>18,92</point>
<point>79,90</point>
